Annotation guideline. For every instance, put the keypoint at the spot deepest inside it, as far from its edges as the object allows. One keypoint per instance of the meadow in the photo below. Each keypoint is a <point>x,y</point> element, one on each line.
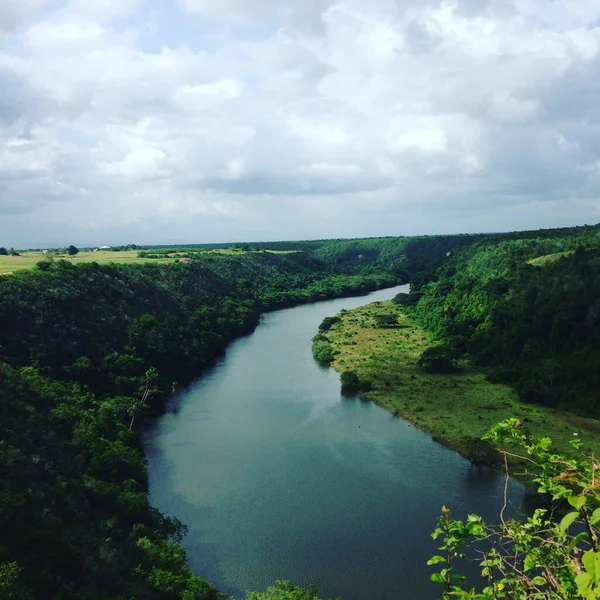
<point>27,260</point>
<point>548,259</point>
<point>455,408</point>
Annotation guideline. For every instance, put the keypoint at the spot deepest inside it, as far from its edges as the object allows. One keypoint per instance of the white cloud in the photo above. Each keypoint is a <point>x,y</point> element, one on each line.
<point>146,163</point>
<point>200,97</point>
<point>230,119</point>
<point>424,140</point>
<point>14,15</point>
<point>99,10</point>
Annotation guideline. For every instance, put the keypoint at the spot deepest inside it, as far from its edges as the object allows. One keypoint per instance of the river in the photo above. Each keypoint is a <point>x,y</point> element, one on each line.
<point>279,477</point>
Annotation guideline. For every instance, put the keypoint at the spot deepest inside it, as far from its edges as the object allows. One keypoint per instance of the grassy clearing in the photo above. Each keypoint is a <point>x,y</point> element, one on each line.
<point>27,260</point>
<point>548,259</point>
<point>453,407</point>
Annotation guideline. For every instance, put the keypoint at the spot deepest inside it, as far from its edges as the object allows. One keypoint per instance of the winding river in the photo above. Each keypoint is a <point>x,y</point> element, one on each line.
<point>278,477</point>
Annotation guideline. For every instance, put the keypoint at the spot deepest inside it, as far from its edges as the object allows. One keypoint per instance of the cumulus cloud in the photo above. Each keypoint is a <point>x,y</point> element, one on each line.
<point>208,120</point>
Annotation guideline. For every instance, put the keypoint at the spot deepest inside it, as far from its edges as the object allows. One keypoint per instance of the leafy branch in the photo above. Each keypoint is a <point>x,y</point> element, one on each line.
<point>540,557</point>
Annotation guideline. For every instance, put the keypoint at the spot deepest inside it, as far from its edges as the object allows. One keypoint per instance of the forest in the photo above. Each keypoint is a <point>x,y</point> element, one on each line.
<point>527,309</point>
<point>88,351</point>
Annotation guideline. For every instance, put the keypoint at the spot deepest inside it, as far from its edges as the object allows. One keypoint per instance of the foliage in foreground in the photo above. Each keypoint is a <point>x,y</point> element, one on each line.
<point>543,557</point>
<point>284,590</point>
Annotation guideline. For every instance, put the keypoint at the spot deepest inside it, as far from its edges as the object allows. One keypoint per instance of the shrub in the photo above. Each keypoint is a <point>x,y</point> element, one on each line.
<point>540,556</point>
<point>352,385</point>
<point>322,349</point>
<point>386,320</point>
<point>350,382</point>
<point>439,359</point>
<point>43,265</point>
<point>328,322</point>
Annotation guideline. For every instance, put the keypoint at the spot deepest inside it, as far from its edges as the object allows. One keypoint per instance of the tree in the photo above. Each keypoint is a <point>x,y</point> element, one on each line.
<point>328,322</point>
<point>322,349</point>
<point>552,555</point>
<point>439,359</point>
<point>352,385</point>
<point>284,590</point>
<point>386,320</point>
<point>10,585</point>
<point>3,251</point>
<point>13,252</point>
<point>72,250</point>
<point>150,377</point>
<point>43,265</point>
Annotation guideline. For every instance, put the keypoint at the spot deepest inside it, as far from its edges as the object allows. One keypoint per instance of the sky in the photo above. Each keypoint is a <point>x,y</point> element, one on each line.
<point>194,121</point>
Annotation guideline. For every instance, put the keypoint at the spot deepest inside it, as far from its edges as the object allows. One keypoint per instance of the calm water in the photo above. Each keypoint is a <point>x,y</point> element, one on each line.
<point>278,477</point>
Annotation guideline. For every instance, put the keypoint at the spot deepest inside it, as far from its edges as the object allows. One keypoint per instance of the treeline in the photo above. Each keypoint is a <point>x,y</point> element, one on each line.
<point>86,352</point>
<point>526,307</point>
<point>403,256</point>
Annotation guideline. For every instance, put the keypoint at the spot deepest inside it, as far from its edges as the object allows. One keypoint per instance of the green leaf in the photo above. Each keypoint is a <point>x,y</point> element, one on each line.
<point>577,501</point>
<point>568,520</point>
<point>580,536</point>
<point>434,560</point>
<point>529,563</point>
<point>595,516</point>
<point>591,562</point>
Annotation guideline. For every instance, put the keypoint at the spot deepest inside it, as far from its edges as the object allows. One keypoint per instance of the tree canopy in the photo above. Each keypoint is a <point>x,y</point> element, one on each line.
<point>86,353</point>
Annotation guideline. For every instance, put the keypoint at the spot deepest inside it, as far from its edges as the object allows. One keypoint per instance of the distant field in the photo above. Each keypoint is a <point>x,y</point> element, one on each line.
<point>27,260</point>
<point>547,259</point>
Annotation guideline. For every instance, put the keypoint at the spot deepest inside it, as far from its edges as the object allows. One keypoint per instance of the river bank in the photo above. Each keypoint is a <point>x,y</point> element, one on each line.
<point>456,408</point>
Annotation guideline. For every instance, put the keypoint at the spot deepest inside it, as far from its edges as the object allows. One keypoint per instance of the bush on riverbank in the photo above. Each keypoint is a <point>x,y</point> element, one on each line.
<point>352,385</point>
<point>322,349</point>
<point>328,322</point>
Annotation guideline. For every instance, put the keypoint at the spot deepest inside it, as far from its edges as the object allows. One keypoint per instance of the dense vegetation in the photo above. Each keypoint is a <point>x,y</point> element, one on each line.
<point>403,256</point>
<point>526,308</point>
<point>85,352</point>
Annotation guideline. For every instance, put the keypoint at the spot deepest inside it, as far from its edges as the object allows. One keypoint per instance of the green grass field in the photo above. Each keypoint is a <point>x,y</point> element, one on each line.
<point>548,259</point>
<point>27,260</point>
<point>452,407</point>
